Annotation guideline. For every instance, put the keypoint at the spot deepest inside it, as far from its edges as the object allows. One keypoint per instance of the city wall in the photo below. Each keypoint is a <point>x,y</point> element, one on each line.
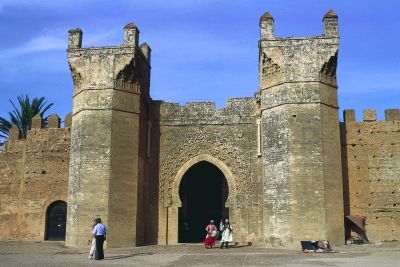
<point>33,174</point>
<point>279,151</point>
<point>227,138</point>
<point>371,171</point>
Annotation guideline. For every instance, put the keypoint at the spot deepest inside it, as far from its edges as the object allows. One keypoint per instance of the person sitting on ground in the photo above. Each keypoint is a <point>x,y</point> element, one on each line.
<point>324,246</point>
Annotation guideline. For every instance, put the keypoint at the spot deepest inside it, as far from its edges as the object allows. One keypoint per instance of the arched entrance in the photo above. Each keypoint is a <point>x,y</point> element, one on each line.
<point>203,192</point>
<point>56,216</point>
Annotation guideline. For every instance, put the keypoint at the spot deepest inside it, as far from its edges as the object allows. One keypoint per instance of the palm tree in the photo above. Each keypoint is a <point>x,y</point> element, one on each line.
<point>22,115</point>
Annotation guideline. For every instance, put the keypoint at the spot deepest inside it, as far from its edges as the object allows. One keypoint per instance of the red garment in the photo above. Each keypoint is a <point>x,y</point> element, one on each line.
<point>210,241</point>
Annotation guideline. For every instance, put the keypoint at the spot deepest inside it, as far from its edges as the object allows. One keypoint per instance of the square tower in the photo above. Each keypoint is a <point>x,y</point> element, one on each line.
<point>108,138</point>
<point>303,193</point>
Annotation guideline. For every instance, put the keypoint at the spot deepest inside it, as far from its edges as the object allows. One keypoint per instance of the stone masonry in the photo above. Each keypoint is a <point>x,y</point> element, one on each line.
<point>33,175</point>
<point>371,171</point>
<point>301,145</point>
<point>110,103</point>
<point>292,170</point>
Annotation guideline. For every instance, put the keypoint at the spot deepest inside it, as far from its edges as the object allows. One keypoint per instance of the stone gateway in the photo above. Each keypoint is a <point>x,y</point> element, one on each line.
<point>279,165</point>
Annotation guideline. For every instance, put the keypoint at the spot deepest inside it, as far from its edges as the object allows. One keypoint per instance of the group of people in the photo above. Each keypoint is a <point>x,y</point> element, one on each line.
<point>213,233</point>
<point>99,232</point>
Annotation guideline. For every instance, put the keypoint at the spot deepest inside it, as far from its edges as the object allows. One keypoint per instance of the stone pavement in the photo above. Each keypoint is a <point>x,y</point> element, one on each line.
<point>55,254</point>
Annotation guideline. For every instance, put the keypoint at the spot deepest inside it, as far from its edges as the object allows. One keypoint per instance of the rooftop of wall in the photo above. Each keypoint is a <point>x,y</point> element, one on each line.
<point>370,115</point>
<point>38,124</point>
<point>40,134</point>
<point>330,28</point>
<point>129,45</point>
<point>237,110</point>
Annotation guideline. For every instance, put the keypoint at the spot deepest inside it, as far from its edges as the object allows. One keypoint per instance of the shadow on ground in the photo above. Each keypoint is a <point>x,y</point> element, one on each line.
<point>116,257</point>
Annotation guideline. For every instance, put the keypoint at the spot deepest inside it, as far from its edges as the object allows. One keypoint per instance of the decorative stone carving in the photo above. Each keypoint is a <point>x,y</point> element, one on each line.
<point>127,78</point>
<point>328,70</point>
<point>76,77</point>
<point>197,143</point>
<point>271,72</point>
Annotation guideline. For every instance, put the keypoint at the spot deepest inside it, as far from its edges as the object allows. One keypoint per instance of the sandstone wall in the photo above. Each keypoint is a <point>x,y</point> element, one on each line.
<point>225,137</point>
<point>371,171</point>
<point>300,139</point>
<point>109,166</point>
<point>33,174</point>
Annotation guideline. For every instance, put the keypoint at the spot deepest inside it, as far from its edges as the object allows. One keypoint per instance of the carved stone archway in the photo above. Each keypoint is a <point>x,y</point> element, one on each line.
<point>195,147</point>
<point>216,147</point>
<point>176,201</point>
<point>173,210</point>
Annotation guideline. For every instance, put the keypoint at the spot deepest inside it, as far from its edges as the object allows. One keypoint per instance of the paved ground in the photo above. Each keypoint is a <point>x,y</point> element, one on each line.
<point>55,254</point>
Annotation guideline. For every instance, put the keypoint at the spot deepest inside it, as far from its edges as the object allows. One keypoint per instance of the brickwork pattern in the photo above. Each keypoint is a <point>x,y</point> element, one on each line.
<point>33,174</point>
<point>292,171</point>
<point>371,156</point>
<point>229,135</point>
<point>301,145</point>
<point>111,89</point>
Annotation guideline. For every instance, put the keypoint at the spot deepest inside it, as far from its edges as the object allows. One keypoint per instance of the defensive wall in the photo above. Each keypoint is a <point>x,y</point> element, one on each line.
<point>371,171</point>
<point>292,169</point>
<point>33,175</point>
<point>230,139</point>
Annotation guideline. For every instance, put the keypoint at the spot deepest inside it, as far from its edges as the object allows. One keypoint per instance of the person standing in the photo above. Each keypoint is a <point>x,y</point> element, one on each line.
<point>92,242</point>
<point>99,232</point>
<point>227,234</point>
<point>212,233</point>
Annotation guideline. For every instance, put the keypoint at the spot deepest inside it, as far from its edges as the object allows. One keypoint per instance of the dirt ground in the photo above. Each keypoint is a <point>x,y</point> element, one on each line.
<point>55,254</point>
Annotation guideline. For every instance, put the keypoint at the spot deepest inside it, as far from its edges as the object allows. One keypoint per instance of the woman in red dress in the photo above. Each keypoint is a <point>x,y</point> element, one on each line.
<point>210,237</point>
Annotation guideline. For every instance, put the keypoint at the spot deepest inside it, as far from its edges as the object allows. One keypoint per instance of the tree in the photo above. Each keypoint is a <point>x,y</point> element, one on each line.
<point>22,114</point>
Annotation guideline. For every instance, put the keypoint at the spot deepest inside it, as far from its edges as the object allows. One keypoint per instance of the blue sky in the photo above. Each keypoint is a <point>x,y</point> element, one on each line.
<point>203,50</point>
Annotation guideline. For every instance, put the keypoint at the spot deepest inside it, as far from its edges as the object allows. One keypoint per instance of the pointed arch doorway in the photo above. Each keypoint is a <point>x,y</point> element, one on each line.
<point>203,191</point>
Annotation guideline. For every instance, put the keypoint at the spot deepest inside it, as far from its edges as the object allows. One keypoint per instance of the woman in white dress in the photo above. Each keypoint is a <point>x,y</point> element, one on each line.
<point>227,233</point>
<point>93,242</point>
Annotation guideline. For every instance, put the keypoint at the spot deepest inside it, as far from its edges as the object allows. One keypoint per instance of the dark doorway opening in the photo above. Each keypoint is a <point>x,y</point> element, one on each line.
<point>56,217</point>
<point>203,191</point>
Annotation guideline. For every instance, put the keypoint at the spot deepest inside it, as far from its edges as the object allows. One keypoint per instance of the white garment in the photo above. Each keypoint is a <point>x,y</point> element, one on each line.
<point>92,248</point>
<point>227,234</point>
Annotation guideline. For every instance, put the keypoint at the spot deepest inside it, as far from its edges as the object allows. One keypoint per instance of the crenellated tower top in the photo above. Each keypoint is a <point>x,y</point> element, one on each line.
<point>126,67</point>
<point>288,60</point>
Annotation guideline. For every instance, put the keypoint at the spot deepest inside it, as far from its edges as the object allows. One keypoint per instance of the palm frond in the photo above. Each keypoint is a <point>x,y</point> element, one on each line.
<point>22,113</point>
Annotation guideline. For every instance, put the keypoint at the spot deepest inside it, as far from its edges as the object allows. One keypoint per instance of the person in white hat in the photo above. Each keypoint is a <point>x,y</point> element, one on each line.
<point>227,233</point>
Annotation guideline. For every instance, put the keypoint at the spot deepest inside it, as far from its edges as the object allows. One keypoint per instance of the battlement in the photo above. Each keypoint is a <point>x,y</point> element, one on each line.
<point>298,69</point>
<point>38,132</point>
<point>330,25</point>
<point>237,110</point>
<point>95,70</point>
<point>369,115</point>
<point>130,43</point>
<point>131,37</point>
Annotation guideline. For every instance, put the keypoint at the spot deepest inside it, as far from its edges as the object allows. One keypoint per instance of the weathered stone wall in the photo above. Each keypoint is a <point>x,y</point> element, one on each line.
<point>279,151</point>
<point>33,174</point>
<point>225,137</point>
<point>301,145</point>
<point>11,170</point>
<point>371,171</point>
<point>111,85</point>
